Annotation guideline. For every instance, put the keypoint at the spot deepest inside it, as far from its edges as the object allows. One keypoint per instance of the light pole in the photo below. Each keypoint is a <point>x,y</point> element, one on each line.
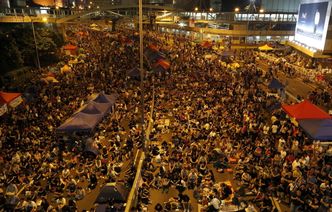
<point>34,37</point>
<point>140,23</point>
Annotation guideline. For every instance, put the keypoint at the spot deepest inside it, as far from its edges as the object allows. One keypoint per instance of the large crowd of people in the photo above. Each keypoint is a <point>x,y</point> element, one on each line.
<point>40,174</point>
<point>217,116</point>
<point>219,119</point>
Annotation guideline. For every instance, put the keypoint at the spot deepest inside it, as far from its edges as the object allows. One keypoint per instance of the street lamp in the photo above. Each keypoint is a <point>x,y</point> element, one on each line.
<point>261,10</point>
<point>196,9</point>
<point>211,9</point>
<point>237,9</point>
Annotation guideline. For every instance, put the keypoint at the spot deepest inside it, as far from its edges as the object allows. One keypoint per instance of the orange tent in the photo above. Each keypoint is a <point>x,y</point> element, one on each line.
<point>70,49</point>
<point>164,63</point>
<point>153,47</point>
<point>12,99</point>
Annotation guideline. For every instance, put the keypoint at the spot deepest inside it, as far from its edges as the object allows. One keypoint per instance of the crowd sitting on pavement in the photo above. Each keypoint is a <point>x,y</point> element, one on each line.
<point>220,121</point>
<point>38,173</point>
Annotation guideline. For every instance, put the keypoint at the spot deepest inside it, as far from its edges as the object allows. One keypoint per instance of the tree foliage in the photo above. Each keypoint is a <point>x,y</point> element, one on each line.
<point>10,55</point>
<point>19,42</point>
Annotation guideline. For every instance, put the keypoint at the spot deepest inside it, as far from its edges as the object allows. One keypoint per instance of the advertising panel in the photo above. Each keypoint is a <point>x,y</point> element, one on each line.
<point>312,23</point>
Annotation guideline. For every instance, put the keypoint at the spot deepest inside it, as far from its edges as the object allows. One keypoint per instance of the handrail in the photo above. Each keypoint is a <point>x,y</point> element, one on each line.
<point>135,186</point>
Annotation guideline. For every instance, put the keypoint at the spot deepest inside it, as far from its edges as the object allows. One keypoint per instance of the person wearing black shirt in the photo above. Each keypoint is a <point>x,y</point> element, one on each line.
<point>296,202</point>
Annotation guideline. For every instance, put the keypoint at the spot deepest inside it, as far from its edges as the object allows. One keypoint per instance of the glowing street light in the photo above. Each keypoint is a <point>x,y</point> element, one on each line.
<point>261,11</point>
<point>97,7</point>
<point>44,19</point>
<point>196,9</point>
<point>211,9</point>
<point>237,9</point>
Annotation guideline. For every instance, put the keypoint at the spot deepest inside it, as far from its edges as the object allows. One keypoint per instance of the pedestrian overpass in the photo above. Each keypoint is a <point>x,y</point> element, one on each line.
<point>52,15</point>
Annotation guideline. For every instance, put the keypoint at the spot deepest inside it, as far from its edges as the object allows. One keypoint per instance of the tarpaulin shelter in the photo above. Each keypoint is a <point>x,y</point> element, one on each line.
<point>11,99</point>
<point>265,48</point>
<point>275,84</point>
<point>92,108</point>
<point>164,63</point>
<point>152,55</point>
<point>158,69</point>
<point>305,110</point>
<point>134,73</point>
<point>105,102</point>
<point>319,129</point>
<point>80,122</point>
<point>112,192</point>
<point>70,49</point>
<point>87,118</point>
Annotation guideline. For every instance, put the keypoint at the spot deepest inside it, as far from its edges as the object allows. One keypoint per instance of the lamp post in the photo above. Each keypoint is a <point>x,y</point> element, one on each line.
<point>140,23</point>
<point>34,37</point>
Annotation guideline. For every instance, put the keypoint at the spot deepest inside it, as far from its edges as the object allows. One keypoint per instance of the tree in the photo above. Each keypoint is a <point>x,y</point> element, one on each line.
<point>10,55</point>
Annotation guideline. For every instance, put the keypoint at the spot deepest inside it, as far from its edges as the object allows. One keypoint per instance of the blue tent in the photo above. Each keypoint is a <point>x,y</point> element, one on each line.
<point>158,69</point>
<point>134,73</point>
<point>152,55</point>
<point>81,122</point>
<point>105,102</point>
<point>320,129</point>
<point>275,84</point>
<point>92,108</point>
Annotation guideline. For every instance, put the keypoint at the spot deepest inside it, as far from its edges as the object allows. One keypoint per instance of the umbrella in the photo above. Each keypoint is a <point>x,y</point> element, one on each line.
<point>112,192</point>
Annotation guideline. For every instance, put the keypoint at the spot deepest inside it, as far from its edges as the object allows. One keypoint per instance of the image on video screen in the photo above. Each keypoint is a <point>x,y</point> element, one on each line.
<point>311,20</point>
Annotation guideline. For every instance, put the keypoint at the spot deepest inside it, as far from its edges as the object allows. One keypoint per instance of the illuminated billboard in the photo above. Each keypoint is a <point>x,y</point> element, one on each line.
<point>313,21</point>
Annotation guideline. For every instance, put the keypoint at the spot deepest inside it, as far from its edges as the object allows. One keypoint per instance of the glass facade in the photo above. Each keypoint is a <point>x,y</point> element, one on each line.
<point>281,5</point>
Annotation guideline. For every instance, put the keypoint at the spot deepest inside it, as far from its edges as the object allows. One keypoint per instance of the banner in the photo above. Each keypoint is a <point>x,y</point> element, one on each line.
<point>17,101</point>
<point>3,109</point>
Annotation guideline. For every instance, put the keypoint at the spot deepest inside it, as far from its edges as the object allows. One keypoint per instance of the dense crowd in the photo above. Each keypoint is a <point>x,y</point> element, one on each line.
<point>218,119</point>
<point>218,116</point>
<point>38,173</point>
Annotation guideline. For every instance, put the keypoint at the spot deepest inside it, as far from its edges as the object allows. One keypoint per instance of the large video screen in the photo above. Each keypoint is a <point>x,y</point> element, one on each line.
<point>312,23</point>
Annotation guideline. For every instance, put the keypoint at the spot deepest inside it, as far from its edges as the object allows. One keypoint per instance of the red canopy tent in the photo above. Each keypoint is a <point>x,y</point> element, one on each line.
<point>11,99</point>
<point>305,110</point>
<point>70,49</point>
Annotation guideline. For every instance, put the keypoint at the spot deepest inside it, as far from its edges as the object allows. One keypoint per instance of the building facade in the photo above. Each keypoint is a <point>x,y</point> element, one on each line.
<point>281,5</point>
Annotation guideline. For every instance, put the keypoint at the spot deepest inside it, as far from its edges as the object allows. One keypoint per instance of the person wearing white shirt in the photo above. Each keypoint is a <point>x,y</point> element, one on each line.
<point>214,204</point>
